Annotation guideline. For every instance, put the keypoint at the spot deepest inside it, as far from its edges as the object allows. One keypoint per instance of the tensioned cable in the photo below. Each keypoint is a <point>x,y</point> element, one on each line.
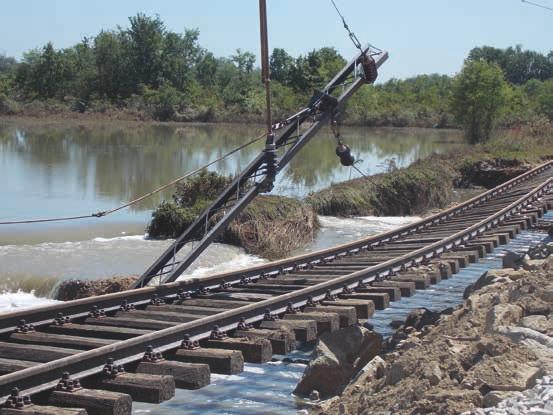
<point>352,35</point>
<point>538,5</point>
<point>138,199</point>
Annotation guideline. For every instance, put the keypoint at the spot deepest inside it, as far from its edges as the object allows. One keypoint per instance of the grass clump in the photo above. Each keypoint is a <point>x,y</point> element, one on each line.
<point>407,191</point>
<point>271,226</point>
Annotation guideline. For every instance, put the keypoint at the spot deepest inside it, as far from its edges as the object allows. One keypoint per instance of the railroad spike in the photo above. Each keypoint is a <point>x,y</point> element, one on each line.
<point>157,300</point>
<point>202,291</point>
<point>346,290</point>
<point>97,312</point>
<point>243,325</point>
<point>268,316</point>
<point>290,309</point>
<point>125,306</point>
<point>23,327</point>
<point>310,302</point>
<point>217,334</point>
<point>361,284</point>
<point>329,296</point>
<point>189,344</point>
<point>151,356</point>
<point>67,384</point>
<point>224,285</point>
<point>244,281</point>
<point>60,320</point>
<point>16,400</point>
<point>183,295</point>
<point>111,369</point>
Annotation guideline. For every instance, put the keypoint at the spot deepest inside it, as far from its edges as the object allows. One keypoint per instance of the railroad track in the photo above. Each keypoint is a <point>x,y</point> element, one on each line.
<point>73,354</point>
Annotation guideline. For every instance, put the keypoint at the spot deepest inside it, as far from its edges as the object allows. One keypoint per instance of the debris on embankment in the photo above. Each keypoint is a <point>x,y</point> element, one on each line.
<point>496,345</point>
<point>271,226</point>
<point>74,289</point>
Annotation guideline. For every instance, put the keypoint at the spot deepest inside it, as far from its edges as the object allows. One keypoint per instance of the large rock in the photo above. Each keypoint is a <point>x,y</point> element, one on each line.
<point>502,315</point>
<point>75,289</point>
<point>336,358</point>
<point>421,317</point>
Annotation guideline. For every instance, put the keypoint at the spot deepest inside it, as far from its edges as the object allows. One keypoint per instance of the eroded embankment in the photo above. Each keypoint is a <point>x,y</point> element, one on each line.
<point>498,343</point>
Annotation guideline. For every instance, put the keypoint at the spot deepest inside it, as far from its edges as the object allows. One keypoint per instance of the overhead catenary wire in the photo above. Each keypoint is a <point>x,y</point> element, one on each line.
<point>101,214</point>
<point>352,35</point>
<point>538,5</point>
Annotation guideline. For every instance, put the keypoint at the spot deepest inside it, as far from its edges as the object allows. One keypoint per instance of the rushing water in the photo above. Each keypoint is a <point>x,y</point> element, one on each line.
<point>59,169</point>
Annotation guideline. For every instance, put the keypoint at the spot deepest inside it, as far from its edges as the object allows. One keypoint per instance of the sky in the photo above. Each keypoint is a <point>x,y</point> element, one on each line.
<point>421,36</point>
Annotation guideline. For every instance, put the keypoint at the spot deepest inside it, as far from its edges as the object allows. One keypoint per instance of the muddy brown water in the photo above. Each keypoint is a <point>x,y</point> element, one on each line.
<point>51,169</point>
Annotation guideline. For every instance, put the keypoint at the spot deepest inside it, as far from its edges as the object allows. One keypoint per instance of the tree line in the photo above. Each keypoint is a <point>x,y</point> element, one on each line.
<point>147,68</point>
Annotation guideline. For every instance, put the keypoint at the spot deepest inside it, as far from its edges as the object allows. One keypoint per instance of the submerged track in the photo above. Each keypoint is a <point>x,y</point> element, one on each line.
<point>292,298</point>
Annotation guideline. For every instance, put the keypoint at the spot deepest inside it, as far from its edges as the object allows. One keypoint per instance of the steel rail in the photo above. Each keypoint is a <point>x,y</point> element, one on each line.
<point>108,302</point>
<point>45,376</point>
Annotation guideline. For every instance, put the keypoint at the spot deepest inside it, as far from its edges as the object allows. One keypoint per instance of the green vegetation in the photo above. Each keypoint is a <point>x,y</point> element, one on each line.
<point>478,99</point>
<point>424,185</point>
<point>145,71</point>
<point>271,226</point>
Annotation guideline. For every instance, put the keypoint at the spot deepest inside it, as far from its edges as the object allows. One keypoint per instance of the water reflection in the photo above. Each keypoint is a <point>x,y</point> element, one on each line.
<point>52,169</point>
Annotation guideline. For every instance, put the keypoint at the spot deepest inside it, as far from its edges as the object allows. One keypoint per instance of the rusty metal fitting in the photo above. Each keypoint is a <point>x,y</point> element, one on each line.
<point>60,320</point>
<point>361,284</point>
<point>189,344</point>
<point>16,400</point>
<point>151,356</point>
<point>97,312</point>
<point>111,369</point>
<point>23,327</point>
<point>263,276</point>
<point>67,384</point>
<point>157,300</point>
<point>125,306</point>
<point>268,316</point>
<point>224,285</point>
<point>243,325</point>
<point>217,334</point>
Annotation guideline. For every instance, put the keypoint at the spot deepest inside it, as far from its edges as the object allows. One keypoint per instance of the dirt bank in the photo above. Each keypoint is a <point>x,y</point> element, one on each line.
<point>75,289</point>
<point>498,342</point>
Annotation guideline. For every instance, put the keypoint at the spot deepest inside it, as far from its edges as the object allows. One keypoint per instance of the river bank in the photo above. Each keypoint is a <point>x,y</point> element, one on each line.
<point>427,184</point>
<point>495,346</point>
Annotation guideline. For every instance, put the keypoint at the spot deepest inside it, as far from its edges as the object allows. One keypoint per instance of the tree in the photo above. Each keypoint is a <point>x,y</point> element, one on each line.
<point>206,70</point>
<point>281,64</point>
<point>479,95</point>
<point>7,64</point>
<point>244,61</point>
<point>113,64</point>
<point>545,99</point>
<point>518,65</point>
<point>146,36</point>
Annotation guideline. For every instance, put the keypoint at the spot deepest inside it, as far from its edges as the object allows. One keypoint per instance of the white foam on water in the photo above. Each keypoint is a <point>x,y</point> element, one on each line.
<point>12,301</point>
<point>122,238</point>
<point>376,223</point>
<point>254,369</point>
<point>106,257</point>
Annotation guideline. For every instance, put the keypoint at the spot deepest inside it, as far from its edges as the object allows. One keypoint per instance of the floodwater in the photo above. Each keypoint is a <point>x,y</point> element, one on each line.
<point>52,169</point>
